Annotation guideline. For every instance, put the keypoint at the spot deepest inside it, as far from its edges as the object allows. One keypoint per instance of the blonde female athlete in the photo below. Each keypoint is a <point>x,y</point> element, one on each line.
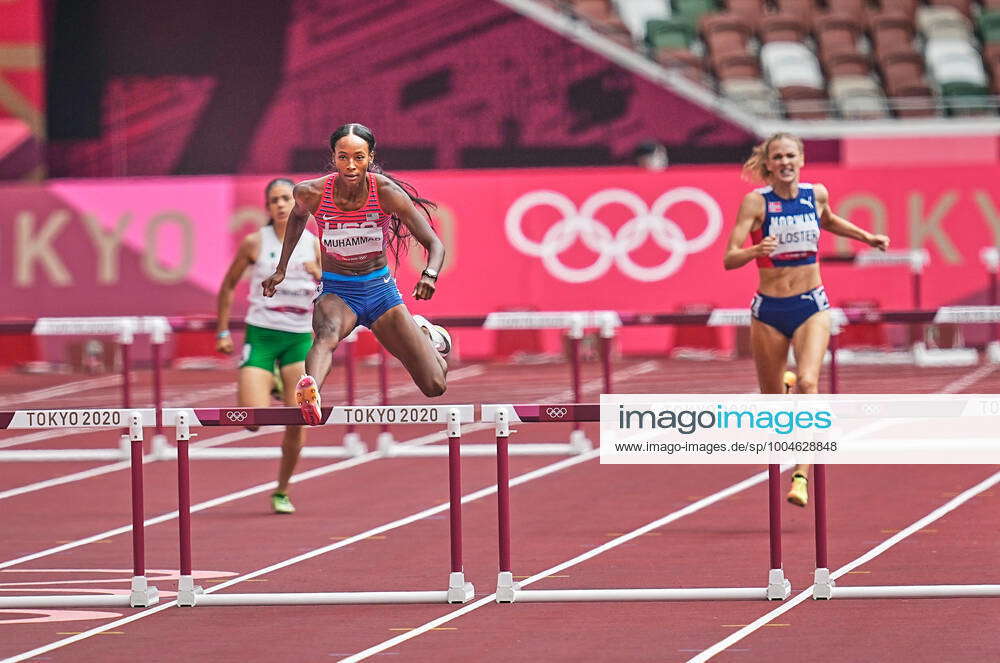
<point>279,329</point>
<point>783,221</point>
<point>362,213</point>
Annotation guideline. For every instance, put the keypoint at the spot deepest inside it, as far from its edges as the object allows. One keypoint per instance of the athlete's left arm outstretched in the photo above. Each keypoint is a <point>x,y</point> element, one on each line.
<point>838,225</point>
<point>395,201</point>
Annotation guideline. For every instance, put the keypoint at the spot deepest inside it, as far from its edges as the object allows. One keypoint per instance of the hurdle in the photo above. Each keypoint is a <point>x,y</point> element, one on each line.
<point>142,594</point>
<point>351,444</point>
<point>452,416</point>
<point>778,587</point>
<point>825,588</point>
<point>575,323</point>
<point>124,329</point>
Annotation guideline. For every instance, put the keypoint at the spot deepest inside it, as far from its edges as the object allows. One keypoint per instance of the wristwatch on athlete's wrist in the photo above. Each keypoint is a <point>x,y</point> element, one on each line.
<point>223,333</point>
<point>430,273</point>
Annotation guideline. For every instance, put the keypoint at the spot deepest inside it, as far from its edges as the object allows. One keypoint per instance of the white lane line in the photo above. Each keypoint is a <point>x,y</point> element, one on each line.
<point>479,494</point>
<point>669,518</point>
<point>963,382</point>
<point>806,594</point>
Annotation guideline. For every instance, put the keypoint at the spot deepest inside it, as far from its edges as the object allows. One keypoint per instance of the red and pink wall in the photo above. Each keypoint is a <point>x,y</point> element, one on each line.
<point>619,239</point>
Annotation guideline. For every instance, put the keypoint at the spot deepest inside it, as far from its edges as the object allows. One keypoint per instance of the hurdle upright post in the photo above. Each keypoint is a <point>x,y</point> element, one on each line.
<point>606,335</point>
<point>158,336</point>
<point>990,257</point>
<point>125,338</point>
<point>577,438</point>
<point>186,589</point>
<point>459,591</point>
<point>385,441</point>
<point>506,587</point>
<point>822,583</point>
<point>352,440</point>
<point>778,588</point>
<point>142,594</point>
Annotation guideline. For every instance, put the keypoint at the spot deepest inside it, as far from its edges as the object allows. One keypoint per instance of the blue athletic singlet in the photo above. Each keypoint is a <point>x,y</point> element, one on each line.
<point>794,223</point>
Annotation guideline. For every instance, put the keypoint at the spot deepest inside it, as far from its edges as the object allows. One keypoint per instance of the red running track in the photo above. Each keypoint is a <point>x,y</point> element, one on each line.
<point>555,518</point>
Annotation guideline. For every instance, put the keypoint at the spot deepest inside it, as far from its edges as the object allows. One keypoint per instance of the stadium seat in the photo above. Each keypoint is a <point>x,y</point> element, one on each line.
<point>691,11</point>
<point>902,68</point>
<point>728,66</point>
<point>943,22</point>
<point>954,61</point>
<point>989,26</point>
<point>749,11</point>
<point>837,32</point>
<point>788,64</point>
<point>802,8</point>
<point>669,33</point>
<point>782,28</point>
<point>683,61</point>
<point>891,32</point>
<point>858,98</point>
<point>593,10</point>
<point>804,102</point>
<point>636,13</point>
<point>725,33</point>
<point>856,9</point>
<point>847,64</point>
<point>962,6</point>
<point>752,94</point>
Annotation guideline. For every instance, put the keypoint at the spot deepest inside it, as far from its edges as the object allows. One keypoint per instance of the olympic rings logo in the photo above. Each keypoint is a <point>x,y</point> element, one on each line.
<point>613,248</point>
<point>236,415</point>
<point>556,412</point>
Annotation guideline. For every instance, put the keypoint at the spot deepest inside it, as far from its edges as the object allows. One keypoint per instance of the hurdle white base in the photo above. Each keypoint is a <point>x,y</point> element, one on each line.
<point>20,455</point>
<point>778,587</point>
<point>143,595</point>
<point>459,591</point>
<point>920,355</point>
<point>507,589</point>
<point>678,594</point>
<point>579,441</point>
<point>517,449</point>
<point>63,601</point>
<point>993,352</point>
<point>385,442</point>
<point>916,592</point>
<point>324,598</point>
<point>352,444</point>
<point>823,585</point>
<point>188,592</point>
<point>924,357</point>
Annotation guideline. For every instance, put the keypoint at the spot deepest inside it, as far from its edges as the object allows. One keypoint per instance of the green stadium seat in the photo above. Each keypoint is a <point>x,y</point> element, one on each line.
<point>692,10</point>
<point>669,33</point>
<point>962,98</point>
<point>989,26</point>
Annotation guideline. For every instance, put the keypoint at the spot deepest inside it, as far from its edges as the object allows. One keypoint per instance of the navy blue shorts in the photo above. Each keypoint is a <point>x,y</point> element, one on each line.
<point>368,295</point>
<point>786,314</point>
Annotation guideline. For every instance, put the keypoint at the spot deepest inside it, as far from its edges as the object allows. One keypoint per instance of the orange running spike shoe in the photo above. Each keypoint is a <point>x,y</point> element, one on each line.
<point>799,492</point>
<point>307,398</point>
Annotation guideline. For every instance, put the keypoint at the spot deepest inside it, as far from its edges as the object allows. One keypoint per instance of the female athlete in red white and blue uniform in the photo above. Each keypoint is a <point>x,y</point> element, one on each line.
<point>783,221</point>
<point>361,213</point>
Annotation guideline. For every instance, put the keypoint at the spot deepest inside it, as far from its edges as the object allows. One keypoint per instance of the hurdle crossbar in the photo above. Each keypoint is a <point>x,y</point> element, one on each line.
<point>124,329</point>
<point>452,416</point>
<point>778,587</point>
<point>141,594</point>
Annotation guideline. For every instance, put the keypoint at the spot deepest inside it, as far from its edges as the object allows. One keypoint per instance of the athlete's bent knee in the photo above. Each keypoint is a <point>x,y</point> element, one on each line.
<point>807,384</point>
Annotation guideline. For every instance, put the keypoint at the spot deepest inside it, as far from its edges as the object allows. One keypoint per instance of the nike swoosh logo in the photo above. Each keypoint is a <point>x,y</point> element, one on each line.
<point>326,218</point>
<point>386,279</point>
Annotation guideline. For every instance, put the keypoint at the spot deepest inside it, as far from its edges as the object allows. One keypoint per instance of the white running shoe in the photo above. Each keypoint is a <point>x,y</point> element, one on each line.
<point>440,337</point>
